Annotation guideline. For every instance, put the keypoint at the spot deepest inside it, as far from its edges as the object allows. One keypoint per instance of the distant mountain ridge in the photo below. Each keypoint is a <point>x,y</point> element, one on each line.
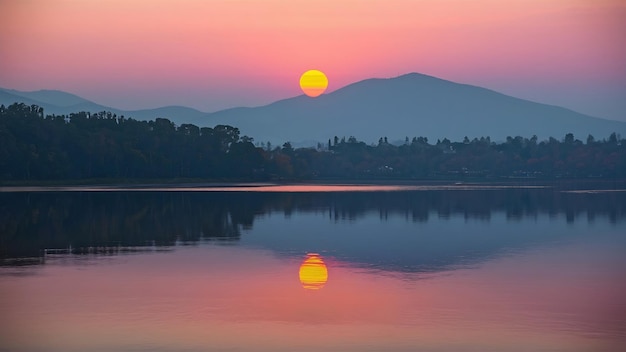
<point>409,105</point>
<point>62,103</point>
<point>53,101</point>
<point>53,97</point>
<point>413,105</point>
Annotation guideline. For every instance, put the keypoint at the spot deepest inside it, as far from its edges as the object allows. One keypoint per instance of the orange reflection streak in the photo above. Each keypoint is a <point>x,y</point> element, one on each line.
<point>313,273</point>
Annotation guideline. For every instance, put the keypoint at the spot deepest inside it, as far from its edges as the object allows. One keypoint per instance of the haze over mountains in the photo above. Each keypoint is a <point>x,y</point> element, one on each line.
<point>62,103</point>
<point>409,105</point>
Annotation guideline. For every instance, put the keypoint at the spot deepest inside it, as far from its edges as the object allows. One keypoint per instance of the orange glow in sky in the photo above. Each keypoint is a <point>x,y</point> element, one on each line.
<point>215,54</point>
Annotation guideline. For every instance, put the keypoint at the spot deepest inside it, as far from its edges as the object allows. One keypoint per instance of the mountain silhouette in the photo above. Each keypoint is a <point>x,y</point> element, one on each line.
<point>411,105</point>
<point>53,101</point>
<point>62,103</point>
<point>405,106</point>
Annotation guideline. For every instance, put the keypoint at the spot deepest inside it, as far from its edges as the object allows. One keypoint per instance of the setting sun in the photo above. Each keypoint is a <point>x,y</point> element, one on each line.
<point>313,272</point>
<point>313,83</point>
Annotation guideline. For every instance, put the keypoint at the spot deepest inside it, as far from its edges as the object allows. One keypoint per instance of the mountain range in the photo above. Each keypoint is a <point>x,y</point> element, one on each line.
<point>405,106</point>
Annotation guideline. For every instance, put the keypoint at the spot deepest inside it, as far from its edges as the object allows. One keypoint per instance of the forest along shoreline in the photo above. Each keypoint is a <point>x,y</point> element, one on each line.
<point>103,148</point>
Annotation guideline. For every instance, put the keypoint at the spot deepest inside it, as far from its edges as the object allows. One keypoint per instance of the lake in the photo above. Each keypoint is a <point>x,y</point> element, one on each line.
<point>437,267</point>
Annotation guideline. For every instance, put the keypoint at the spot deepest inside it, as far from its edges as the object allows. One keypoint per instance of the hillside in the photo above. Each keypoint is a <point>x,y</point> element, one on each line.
<point>411,105</point>
<point>62,103</point>
<point>405,106</point>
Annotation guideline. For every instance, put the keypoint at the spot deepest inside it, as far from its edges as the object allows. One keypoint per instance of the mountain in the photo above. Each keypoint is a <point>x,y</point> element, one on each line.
<point>52,97</point>
<point>7,97</point>
<point>62,103</point>
<point>409,105</point>
<point>52,101</point>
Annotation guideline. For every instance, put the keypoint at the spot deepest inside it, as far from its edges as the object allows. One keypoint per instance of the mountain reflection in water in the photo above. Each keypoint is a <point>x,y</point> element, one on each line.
<point>110,222</point>
<point>502,269</point>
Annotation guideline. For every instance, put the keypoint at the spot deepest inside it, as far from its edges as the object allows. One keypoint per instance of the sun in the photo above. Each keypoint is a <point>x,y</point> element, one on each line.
<point>313,272</point>
<point>313,83</point>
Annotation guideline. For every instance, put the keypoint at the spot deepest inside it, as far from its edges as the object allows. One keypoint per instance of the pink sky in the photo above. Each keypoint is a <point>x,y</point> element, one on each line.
<point>214,54</point>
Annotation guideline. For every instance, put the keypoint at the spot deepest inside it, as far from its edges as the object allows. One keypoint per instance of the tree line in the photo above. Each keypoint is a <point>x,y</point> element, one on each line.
<point>82,145</point>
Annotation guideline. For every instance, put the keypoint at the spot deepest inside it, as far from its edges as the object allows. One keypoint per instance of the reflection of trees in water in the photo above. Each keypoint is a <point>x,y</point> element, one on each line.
<point>30,222</point>
<point>419,206</point>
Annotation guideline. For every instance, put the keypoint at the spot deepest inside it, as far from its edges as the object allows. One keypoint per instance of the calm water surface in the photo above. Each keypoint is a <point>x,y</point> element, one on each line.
<point>444,268</point>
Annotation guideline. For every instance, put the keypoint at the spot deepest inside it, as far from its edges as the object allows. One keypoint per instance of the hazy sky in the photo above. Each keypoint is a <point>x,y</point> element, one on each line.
<point>214,54</point>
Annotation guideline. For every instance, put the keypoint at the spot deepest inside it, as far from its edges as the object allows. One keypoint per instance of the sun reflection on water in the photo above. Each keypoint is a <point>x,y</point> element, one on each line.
<point>313,272</point>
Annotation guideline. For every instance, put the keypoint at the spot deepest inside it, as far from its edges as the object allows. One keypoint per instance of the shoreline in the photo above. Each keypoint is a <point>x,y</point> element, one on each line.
<point>301,185</point>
